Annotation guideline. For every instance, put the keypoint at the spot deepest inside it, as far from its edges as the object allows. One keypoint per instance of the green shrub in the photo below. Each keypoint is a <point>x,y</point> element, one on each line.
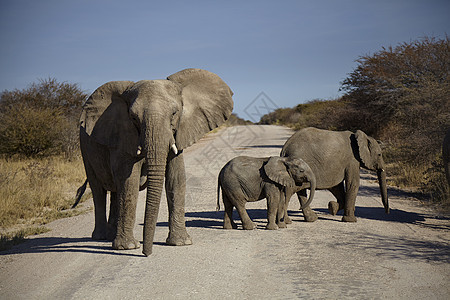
<point>40,120</point>
<point>31,131</point>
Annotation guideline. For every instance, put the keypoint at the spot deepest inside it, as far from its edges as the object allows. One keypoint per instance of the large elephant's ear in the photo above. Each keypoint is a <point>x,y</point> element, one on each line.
<point>105,117</point>
<point>363,147</point>
<point>207,103</point>
<point>277,171</point>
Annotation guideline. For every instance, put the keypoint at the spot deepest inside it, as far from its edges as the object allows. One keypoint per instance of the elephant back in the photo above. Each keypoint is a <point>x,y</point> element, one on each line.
<point>326,152</point>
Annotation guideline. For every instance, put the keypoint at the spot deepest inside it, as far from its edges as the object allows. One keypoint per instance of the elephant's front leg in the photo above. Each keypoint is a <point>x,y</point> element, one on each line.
<point>176,192</point>
<point>273,201</point>
<point>351,188</point>
<point>127,195</point>
<point>287,197</point>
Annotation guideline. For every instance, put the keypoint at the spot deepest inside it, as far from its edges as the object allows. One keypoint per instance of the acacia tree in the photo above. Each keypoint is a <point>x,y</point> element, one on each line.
<point>41,119</point>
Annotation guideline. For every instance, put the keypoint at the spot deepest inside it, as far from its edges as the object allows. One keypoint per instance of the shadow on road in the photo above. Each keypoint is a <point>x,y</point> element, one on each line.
<point>393,192</point>
<point>64,244</point>
<point>398,247</point>
<point>396,215</point>
<point>214,219</point>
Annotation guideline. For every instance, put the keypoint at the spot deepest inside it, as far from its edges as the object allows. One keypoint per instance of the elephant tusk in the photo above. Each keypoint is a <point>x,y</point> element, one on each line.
<point>174,149</point>
<point>139,151</point>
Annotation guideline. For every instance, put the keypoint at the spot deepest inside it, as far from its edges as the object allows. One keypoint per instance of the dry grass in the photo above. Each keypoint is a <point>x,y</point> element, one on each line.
<point>428,179</point>
<point>34,192</point>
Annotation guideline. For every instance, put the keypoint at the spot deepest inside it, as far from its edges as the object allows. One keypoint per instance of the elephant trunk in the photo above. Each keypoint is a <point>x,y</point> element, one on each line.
<point>157,151</point>
<point>383,189</point>
<point>155,177</point>
<point>312,181</point>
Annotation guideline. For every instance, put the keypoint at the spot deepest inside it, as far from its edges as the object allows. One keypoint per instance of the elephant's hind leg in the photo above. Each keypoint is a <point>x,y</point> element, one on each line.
<point>228,222</point>
<point>339,192</point>
<point>247,223</point>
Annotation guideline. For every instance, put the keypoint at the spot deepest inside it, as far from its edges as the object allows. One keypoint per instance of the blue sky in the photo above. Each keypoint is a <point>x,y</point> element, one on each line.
<point>293,51</point>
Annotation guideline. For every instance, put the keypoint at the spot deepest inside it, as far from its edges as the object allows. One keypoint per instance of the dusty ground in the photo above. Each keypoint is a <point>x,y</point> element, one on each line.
<point>404,255</point>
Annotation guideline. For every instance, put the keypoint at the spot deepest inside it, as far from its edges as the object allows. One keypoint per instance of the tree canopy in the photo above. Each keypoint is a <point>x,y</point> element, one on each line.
<point>41,119</point>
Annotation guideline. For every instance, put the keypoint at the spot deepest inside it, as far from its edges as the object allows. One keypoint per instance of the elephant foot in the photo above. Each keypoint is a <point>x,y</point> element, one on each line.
<point>282,224</point>
<point>120,243</point>
<point>99,234</point>
<point>271,226</point>
<point>348,219</point>
<point>287,220</point>
<point>333,207</point>
<point>229,225</point>
<point>249,226</point>
<point>310,216</point>
<point>179,240</point>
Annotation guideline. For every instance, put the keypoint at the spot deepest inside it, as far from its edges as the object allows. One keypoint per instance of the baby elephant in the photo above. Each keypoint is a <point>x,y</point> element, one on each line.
<point>246,178</point>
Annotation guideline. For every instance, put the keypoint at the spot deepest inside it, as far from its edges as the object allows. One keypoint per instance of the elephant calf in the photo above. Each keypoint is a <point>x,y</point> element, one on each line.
<point>245,179</point>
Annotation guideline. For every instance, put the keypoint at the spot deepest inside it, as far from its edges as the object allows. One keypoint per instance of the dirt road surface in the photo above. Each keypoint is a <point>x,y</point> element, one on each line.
<point>404,255</point>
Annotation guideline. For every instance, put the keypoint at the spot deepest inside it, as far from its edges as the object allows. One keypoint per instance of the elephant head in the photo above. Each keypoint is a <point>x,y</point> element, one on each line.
<point>371,158</point>
<point>150,118</point>
<point>291,172</point>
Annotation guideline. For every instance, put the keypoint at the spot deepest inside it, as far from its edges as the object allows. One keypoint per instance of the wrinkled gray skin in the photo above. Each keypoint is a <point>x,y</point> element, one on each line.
<point>446,155</point>
<point>132,135</point>
<point>246,179</point>
<point>335,158</point>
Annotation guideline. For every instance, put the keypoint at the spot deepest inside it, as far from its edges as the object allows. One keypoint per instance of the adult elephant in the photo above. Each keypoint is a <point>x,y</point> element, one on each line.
<point>132,136</point>
<point>446,155</point>
<point>335,158</point>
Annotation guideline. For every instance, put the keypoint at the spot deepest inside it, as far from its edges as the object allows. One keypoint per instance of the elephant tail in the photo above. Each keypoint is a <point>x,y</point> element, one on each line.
<point>218,196</point>
<point>80,193</point>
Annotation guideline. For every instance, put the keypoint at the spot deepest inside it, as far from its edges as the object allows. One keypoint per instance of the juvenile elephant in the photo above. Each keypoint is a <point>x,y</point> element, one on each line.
<point>132,136</point>
<point>335,158</point>
<point>247,179</point>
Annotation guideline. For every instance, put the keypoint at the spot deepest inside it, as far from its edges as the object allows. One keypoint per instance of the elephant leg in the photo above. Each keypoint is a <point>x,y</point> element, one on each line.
<point>281,216</point>
<point>308,213</point>
<point>247,223</point>
<point>127,195</point>
<point>272,207</point>
<point>287,196</point>
<point>113,217</point>
<point>228,222</point>
<point>351,188</point>
<point>176,191</point>
<point>339,193</point>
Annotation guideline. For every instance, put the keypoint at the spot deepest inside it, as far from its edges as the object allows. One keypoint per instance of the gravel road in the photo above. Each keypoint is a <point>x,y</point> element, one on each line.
<point>404,255</point>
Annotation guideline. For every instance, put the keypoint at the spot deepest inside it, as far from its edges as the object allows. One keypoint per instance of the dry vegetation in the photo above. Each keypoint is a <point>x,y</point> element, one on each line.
<point>35,192</point>
<point>40,164</point>
<point>400,95</point>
